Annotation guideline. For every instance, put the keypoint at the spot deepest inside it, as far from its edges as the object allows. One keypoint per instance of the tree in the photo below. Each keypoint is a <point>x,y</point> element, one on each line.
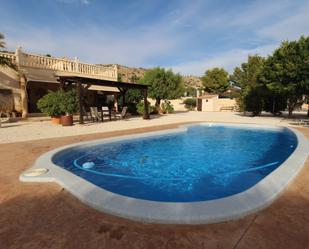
<point>134,78</point>
<point>191,91</point>
<point>215,80</point>
<point>247,78</point>
<point>120,77</point>
<point>286,72</point>
<point>132,96</point>
<point>4,61</point>
<point>2,42</point>
<point>163,85</point>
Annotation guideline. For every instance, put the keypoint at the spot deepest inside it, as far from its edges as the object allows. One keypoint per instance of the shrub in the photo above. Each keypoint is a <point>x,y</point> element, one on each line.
<point>58,103</point>
<point>151,109</point>
<point>190,103</point>
<point>132,98</point>
<point>50,104</point>
<point>68,101</point>
<point>132,109</point>
<point>167,107</point>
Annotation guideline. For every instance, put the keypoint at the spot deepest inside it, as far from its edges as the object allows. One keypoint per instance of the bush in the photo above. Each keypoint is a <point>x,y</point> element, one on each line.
<point>151,109</point>
<point>50,104</point>
<point>132,109</point>
<point>132,98</point>
<point>167,107</point>
<point>68,101</point>
<point>190,103</point>
<point>58,103</point>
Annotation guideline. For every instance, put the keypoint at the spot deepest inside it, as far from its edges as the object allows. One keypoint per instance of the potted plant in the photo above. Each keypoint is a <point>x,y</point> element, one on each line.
<point>68,106</point>
<point>49,104</point>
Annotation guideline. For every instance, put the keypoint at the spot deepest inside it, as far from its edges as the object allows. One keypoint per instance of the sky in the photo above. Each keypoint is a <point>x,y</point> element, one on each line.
<point>189,36</point>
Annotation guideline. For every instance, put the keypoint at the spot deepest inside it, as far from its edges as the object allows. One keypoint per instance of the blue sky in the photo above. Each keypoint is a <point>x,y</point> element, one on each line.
<point>188,36</point>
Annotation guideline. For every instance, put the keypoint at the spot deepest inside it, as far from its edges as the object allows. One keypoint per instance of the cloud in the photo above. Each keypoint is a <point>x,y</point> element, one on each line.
<point>270,25</point>
<point>289,28</point>
<point>188,36</point>
<point>93,45</point>
<point>227,60</point>
<point>258,12</point>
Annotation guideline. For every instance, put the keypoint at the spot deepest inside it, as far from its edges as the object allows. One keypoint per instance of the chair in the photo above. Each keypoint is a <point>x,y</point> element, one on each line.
<point>123,113</point>
<point>4,117</point>
<point>95,116</point>
<point>106,112</point>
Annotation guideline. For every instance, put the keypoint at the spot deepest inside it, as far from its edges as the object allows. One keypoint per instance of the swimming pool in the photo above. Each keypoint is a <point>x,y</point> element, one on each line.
<point>199,164</point>
<point>203,163</point>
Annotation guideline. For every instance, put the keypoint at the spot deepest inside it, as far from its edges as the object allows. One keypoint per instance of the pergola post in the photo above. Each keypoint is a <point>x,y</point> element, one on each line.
<point>146,109</point>
<point>62,85</point>
<point>24,96</point>
<point>80,102</point>
<point>123,97</point>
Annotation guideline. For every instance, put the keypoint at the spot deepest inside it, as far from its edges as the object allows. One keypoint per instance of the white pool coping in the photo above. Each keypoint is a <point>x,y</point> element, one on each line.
<point>251,200</point>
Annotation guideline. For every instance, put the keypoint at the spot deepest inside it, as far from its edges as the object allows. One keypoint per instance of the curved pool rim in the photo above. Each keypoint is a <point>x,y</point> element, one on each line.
<point>249,201</point>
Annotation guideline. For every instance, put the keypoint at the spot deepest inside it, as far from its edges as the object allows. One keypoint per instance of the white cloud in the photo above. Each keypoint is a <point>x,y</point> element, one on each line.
<point>93,45</point>
<point>259,11</point>
<point>170,36</point>
<point>228,60</point>
<point>290,25</point>
<point>290,28</point>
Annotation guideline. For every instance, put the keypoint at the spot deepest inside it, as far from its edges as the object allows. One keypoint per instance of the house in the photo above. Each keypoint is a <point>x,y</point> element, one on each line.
<point>34,75</point>
<point>215,103</point>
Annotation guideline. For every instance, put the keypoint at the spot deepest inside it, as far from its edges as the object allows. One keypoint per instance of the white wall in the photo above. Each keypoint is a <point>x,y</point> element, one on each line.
<point>215,104</point>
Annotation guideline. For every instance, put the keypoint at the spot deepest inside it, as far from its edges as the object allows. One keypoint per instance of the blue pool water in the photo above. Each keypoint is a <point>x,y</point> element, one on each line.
<point>203,163</point>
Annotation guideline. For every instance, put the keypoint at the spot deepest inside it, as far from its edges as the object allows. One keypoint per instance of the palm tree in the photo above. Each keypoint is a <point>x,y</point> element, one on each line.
<point>4,61</point>
<point>2,42</point>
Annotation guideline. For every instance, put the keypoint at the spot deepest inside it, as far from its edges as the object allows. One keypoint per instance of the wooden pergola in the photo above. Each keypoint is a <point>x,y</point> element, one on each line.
<point>82,83</point>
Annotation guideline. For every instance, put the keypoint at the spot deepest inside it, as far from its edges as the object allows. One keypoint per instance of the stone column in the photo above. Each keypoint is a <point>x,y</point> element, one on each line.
<point>24,96</point>
<point>76,62</point>
<point>19,56</point>
<point>115,72</point>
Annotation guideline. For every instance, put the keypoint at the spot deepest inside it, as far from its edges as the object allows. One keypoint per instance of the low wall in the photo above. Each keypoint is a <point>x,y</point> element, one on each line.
<point>215,104</point>
<point>177,103</point>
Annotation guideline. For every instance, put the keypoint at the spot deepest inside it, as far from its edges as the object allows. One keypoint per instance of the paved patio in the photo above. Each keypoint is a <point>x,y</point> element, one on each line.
<point>43,215</point>
<point>38,128</point>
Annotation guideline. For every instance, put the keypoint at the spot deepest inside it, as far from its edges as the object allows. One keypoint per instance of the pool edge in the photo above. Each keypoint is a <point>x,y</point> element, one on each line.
<point>203,212</point>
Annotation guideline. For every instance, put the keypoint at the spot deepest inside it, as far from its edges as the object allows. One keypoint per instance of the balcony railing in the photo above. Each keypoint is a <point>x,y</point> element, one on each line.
<point>10,56</point>
<point>64,65</point>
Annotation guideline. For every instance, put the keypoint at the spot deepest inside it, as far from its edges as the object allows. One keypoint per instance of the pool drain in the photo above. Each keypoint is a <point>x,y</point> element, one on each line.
<point>35,172</point>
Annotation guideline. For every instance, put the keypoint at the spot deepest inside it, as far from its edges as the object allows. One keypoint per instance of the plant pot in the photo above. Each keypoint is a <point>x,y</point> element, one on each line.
<point>67,120</point>
<point>56,120</point>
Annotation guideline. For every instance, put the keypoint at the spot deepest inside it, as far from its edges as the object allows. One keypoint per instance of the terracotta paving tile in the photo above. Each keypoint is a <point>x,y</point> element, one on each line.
<point>43,215</point>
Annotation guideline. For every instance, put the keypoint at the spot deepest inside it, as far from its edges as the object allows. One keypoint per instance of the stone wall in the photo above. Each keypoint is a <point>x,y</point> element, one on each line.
<point>9,89</point>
